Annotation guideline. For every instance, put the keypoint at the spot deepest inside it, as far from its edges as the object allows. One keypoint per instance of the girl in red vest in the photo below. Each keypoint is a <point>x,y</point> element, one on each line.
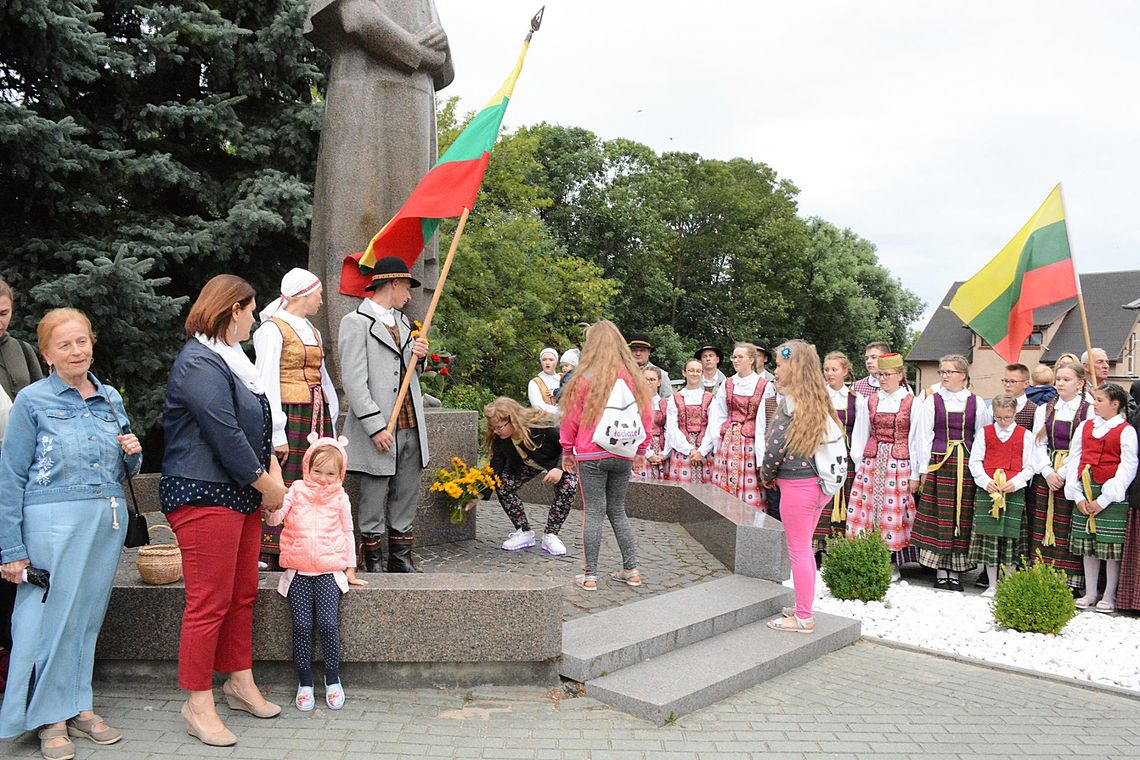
<point>736,424</point>
<point>319,558</point>
<point>1101,466</point>
<point>1001,461</point>
<point>656,465</point>
<point>686,420</point>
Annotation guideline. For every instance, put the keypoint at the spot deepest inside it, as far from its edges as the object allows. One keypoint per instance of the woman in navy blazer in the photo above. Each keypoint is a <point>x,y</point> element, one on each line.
<point>217,471</point>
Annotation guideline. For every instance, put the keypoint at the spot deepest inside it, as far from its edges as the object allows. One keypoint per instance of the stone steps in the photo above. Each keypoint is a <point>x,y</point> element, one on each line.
<point>666,656</point>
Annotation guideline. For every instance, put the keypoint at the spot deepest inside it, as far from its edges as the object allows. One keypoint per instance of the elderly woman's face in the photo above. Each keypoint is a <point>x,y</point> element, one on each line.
<point>69,351</point>
<point>5,314</point>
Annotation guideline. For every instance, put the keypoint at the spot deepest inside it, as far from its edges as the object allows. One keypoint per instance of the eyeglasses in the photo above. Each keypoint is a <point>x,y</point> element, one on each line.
<point>500,427</point>
<point>1007,381</point>
<point>948,372</point>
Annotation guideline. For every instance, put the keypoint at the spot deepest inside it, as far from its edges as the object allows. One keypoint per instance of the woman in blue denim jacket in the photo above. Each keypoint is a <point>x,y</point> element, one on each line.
<point>67,450</point>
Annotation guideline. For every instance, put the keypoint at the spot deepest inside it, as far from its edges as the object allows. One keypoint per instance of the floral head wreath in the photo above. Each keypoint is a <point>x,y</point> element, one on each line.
<point>786,353</point>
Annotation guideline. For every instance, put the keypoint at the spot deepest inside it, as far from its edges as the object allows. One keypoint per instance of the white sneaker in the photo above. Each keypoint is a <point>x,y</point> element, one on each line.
<point>552,545</point>
<point>896,576</point>
<point>304,699</point>
<point>990,592</point>
<point>519,540</point>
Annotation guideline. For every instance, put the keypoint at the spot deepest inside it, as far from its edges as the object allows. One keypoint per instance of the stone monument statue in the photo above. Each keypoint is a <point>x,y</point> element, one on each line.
<point>379,135</point>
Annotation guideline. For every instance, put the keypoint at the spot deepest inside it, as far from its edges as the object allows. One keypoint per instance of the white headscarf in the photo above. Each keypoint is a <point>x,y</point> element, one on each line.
<point>236,360</point>
<point>296,282</point>
<point>548,350</point>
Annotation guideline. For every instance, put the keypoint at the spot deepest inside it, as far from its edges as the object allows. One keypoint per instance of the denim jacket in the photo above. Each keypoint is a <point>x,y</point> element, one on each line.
<point>60,447</point>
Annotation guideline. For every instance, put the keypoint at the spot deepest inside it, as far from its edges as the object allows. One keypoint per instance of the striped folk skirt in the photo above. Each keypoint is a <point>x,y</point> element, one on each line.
<point>684,470</point>
<point>833,518</point>
<point>1108,540</point>
<point>734,470</point>
<point>1058,553</point>
<point>1128,591</point>
<point>997,542</point>
<point>881,501</point>
<point>299,422</point>
<point>941,534</point>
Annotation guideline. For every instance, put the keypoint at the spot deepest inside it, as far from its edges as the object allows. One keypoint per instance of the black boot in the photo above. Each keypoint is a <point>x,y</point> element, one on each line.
<point>372,549</point>
<point>400,552</point>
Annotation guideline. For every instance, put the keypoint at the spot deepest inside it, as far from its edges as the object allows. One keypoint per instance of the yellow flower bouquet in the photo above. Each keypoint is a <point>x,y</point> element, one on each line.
<point>463,484</point>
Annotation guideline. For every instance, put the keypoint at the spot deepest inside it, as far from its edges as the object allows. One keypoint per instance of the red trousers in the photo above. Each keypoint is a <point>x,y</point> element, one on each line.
<point>219,564</point>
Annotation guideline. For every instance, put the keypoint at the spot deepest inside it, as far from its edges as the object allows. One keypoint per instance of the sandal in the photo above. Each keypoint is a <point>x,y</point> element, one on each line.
<point>587,582</point>
<point>1084,603</point>
<point>792,624</point>
<point>64,751</point>
<point>1105,606</point>
<point>628,577</point>
<point>93,728</point>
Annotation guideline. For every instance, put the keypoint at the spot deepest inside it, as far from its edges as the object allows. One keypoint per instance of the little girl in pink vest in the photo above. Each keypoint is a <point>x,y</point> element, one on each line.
<point>319,558</point>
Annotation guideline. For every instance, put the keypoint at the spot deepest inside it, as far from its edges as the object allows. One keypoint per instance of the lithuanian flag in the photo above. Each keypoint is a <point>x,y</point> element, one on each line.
<point>449,187</point>
<point>1034,269</point>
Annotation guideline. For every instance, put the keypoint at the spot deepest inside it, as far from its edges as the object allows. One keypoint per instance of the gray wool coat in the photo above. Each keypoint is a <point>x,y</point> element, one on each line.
<point>371,368</point>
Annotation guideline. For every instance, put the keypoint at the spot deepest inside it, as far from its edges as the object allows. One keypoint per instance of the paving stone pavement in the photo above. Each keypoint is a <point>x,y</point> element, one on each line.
<point>668,557</point>
<point>865,701</point>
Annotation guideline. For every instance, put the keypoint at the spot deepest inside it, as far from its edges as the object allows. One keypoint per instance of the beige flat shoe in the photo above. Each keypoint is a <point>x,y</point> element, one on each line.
<point>223,738</point>
<point>95,729</point>
<point>238,702</point>
<point>64,751</point>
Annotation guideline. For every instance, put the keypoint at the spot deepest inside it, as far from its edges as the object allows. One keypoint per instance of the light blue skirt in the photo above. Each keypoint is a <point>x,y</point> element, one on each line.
<point>53,643</point>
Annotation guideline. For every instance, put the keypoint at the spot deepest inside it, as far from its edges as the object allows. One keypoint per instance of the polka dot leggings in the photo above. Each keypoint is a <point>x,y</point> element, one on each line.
<point>315,599</point>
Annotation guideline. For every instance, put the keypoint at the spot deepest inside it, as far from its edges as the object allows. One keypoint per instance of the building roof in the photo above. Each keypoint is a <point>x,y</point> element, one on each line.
<point>1110,299</point>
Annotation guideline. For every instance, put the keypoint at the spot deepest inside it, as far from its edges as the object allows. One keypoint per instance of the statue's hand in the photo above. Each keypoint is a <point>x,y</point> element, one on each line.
<point>433,37</point>
<point>432,59</point>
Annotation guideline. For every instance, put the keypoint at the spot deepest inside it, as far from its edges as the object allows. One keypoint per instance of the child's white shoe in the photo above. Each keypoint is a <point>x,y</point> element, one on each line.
<point>334,696</point>
<point>305,700</point>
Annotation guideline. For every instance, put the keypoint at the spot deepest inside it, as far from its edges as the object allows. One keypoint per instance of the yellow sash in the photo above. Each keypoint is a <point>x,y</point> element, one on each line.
<point>998,496</point>
<point>1051,537</point>
<point>951,447</point>
<point>1086,484</point>
<point>839,507</point>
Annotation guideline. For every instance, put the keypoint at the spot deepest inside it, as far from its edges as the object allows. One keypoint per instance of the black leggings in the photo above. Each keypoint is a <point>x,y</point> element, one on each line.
<point>315,599</point>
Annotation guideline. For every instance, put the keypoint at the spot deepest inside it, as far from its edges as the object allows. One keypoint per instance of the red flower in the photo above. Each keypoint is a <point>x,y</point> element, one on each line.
<point>443,371</point>
<point>435,358</point>
<point>446,360</point>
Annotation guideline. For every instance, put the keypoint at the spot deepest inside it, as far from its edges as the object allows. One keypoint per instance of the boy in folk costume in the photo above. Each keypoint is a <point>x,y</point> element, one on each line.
<point>710,358</point>
<point>686,419</point>
<point>1099,470</point>
<point>1001,462</point>
<point>642,347</point>
<point>1051,514</point>
<point>869,384</point>
<point>848,406</point>
<point>884,445</point>
<point>540,391</point>
<point>951,421</point>
<point>302,398</point>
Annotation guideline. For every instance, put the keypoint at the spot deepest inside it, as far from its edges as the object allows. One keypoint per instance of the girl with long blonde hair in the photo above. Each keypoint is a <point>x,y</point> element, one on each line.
<point>736,427</point>
<point>523,442</point>
<point>603,476</point>
<point>804,431</point>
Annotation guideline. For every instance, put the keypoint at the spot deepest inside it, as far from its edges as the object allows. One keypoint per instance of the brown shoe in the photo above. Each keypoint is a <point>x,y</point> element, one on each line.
<point>93,728</point>
<point>64,751</point>
<point>237,702</point>
<point>223,738</point>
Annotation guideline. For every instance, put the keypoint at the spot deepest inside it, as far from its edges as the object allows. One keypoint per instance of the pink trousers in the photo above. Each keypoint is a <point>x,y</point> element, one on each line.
<point>801,502</point>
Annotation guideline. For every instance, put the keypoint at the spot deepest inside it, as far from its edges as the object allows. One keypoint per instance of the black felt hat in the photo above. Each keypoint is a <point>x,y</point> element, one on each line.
<point>640,340</point>
<point>390,268</point>
<point>763,348</point>
<point>709,347</point>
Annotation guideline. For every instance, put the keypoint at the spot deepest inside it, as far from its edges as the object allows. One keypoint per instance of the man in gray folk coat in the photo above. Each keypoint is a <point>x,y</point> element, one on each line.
<point>376,350</point>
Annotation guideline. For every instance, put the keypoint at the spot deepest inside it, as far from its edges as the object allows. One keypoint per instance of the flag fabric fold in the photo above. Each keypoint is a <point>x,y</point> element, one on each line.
<point>449,187</point>
<point>1033,270</point>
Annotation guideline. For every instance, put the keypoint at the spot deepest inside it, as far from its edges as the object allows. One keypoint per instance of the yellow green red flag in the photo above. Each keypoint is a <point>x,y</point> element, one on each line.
<point>1034,269</point>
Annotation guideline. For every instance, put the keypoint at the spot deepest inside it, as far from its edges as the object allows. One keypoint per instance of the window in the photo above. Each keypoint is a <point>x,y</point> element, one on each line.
<point>1034,338</point>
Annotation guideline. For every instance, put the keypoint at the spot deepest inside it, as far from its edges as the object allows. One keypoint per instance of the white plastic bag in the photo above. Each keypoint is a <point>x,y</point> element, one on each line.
<point>619,430</point>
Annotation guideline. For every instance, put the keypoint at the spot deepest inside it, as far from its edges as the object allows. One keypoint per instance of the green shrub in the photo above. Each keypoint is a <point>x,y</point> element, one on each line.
<point>473,397</point>
<point>1036,599</point>
<point>857,568</point>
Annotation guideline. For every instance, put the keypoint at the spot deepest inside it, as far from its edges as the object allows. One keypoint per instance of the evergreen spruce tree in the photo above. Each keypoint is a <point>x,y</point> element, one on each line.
<point>173,137</point>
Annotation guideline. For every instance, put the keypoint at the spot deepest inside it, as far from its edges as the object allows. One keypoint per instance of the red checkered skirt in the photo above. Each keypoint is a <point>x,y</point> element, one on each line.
<point>881,499</point>
<point>734,469</point>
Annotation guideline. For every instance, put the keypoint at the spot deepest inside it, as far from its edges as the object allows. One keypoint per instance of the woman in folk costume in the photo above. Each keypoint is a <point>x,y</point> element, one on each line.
<point>1001,462</point>
<point>687,418</point>
<point>540,391</point>
<point>951,420</point>
<point>884,445</point>
<point>291,365</point>
<point>1100,468</point>
<point>736,426</point>
<point>656,465</point>
<point>847,405</point>
<point>1050,513</point>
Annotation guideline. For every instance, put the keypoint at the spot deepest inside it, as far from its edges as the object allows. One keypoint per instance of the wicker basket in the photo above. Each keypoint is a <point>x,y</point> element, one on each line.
<point>160,563</point>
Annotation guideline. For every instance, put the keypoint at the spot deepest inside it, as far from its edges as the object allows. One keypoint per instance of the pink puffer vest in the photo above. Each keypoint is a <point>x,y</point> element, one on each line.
<point>313,539</point>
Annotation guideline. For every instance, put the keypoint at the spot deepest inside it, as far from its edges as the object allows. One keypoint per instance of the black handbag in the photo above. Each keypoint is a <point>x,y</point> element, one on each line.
<point>137,533</point>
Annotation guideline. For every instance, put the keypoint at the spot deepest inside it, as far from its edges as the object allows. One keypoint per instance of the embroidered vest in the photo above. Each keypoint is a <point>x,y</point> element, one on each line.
<point>742,410</point>
<point>1025,416</point>
<point>300,365</point>
<point>657,432</point>
<point>1059,433</point>
<point>1102,454</point>
<point>693,419</point>
<point>889,427</point>
<point>953,426</point>
<point>1005,456</point>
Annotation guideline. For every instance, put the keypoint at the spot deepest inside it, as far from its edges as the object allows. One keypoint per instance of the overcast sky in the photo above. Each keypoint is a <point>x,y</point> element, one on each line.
<point>934,130</point>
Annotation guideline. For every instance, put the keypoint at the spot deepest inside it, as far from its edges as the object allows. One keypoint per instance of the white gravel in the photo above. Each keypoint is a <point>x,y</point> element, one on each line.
<point>1093,646</point>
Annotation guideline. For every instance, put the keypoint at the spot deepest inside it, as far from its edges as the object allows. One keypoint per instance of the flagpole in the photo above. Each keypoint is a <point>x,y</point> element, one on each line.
<point>1080,293</point>
<point>407,382</point>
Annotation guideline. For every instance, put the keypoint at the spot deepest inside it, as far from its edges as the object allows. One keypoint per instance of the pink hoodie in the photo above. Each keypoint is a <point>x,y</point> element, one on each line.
<point>578,438</point>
